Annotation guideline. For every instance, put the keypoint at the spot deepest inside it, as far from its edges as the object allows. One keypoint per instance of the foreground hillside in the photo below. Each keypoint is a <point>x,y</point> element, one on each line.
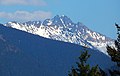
<point>24,54</point>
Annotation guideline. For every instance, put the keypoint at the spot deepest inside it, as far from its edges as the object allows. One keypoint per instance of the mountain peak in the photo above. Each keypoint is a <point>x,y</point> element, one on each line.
<point>56,17</point>
<point>62,17</point>
<point>63,29</point>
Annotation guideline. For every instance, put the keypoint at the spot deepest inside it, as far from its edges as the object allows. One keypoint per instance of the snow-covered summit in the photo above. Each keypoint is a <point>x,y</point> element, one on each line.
<point>64,29</point>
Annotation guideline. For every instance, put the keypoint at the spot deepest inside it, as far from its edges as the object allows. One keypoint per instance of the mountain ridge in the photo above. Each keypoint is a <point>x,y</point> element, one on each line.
<point>64,29</point>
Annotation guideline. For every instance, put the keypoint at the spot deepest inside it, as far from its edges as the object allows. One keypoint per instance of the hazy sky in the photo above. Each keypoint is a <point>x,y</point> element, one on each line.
<point>98,15</point>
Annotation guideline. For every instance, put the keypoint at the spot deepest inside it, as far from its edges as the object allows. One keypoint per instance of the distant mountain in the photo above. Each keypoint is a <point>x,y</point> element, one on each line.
<point>64,29</point>
<point>25,54</point>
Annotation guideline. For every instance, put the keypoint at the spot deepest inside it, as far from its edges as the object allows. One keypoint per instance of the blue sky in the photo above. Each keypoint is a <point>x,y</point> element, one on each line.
<point>98,15</point>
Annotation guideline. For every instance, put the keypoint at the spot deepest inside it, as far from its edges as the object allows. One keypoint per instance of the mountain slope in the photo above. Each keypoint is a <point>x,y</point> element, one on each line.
<point>24,54</point>
<point>63,29</point>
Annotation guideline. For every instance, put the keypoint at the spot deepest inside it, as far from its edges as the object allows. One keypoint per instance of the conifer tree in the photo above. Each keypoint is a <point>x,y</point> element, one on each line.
<point>115,54</point>
<point>84,69</point>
